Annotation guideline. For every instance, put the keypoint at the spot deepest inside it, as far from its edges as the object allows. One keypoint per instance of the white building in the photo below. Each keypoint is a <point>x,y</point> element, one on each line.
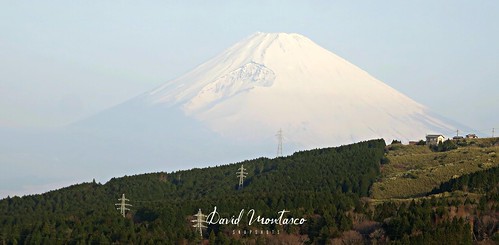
<point>471,136</point>
<point>434,139</point>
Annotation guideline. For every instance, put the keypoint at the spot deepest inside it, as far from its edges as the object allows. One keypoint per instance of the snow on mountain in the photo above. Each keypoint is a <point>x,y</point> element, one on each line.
<point>225,110</point>
<point>278,80</point>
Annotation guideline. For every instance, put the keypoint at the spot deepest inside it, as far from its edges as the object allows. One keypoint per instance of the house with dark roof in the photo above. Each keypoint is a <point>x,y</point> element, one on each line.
<point>434,139</point>
<point>471,136</point>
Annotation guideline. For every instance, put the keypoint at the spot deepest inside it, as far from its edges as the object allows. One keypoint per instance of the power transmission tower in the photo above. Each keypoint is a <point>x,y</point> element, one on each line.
<point>279,143</point>
<point>241,174</point>
<point>123,205</point>
<point>199,222</point>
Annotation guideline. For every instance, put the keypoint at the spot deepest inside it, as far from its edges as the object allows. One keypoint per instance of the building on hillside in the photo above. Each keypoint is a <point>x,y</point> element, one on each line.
<point>434,139</point>
<point>458,137</point>
<point>471,136</point>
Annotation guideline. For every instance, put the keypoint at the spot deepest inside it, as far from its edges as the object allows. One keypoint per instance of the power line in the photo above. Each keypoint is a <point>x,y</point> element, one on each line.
<point>241,174</point>
<point>279,143</point>
<point>123,206</point>
<point>199,222</point>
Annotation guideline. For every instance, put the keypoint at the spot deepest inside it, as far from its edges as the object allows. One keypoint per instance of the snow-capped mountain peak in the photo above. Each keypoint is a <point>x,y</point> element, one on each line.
<point>279,80</point>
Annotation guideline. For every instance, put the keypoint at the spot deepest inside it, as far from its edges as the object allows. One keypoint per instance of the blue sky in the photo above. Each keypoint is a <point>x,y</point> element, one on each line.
<point>62,61</point>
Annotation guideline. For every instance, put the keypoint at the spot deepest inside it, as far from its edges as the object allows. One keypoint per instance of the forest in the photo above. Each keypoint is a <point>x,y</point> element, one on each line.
<point>329,188</point>
<point>486,181</point>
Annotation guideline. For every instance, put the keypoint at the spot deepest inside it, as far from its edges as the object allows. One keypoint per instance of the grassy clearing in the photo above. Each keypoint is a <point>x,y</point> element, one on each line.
<point>456,195</point>
<point>413,170</point>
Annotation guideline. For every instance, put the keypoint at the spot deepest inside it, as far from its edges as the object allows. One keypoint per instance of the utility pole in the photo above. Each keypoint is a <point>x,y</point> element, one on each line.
<point>123,206</point>
<point>199,222</point>
<point>493,132</point>
<point>457,133</point>
<point>241,174</point>
<point>279,143</point>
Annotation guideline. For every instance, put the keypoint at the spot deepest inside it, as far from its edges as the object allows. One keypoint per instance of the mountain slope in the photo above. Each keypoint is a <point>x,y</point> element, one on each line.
<point>163,203</point>
<point>226,110</point>
<point>327,187</point>
<point>278,80</point>
<point>414,170</point>
<point>231,107</point>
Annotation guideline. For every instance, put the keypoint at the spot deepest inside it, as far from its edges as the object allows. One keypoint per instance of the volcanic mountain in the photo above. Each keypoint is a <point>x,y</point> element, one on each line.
<point>230,109</point>
<point>271,81</point>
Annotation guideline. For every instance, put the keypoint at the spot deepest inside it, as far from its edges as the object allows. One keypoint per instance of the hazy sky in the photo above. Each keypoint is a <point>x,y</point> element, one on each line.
<point>61,61</point>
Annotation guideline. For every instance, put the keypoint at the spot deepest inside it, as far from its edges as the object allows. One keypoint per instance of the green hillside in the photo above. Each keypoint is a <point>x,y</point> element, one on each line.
<point>328,189</point>
<point>414,170</point>
<point>319,185</point>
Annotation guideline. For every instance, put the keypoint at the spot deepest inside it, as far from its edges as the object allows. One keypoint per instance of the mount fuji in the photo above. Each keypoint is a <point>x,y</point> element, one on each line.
<point>277,80</point>
<point>268,82</point>
<point>230,109</point>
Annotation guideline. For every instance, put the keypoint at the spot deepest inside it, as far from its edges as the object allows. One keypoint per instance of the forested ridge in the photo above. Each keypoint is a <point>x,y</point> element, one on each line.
<point>486,181</point>
<point>321,185</point>
<point>327,187</point>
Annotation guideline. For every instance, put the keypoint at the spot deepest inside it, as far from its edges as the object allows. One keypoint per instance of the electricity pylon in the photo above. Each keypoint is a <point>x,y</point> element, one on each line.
<point>199,222</point>
<point>279,143</point>
<point>241,174</point>
<point>123,205</point>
